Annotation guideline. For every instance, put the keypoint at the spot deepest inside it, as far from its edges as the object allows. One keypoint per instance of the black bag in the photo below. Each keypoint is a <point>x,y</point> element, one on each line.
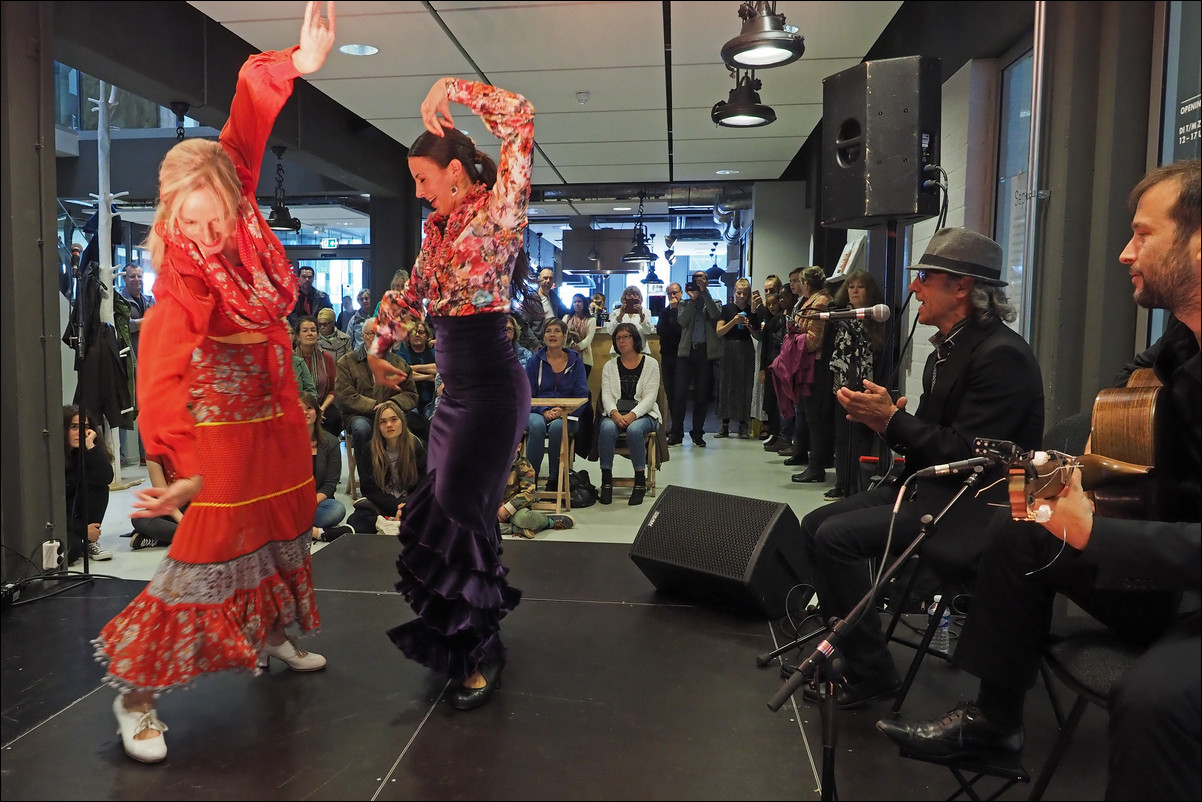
<point>583,492</point>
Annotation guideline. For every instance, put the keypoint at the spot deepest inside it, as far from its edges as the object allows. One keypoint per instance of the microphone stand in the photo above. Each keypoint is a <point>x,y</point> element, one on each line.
<point>813,666</point>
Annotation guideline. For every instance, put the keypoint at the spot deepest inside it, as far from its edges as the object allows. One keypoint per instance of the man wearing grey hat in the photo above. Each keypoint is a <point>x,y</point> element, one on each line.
<point>981,380</point>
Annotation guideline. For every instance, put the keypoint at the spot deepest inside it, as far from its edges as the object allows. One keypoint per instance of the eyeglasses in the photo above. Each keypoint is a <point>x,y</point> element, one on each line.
<point>926,272</point>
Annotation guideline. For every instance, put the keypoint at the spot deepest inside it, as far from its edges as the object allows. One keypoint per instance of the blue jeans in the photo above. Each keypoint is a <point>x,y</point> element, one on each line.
<point>636,441</point>
<point>539,432</point>
<point>329,513</point>
<point>359,428</point>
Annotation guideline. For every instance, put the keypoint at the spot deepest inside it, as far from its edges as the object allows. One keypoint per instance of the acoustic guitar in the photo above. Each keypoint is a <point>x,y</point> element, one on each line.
<point>1124,436</point>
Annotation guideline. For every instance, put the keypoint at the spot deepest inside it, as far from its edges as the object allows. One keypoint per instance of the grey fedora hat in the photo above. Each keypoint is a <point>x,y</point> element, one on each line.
<point>964,253</point>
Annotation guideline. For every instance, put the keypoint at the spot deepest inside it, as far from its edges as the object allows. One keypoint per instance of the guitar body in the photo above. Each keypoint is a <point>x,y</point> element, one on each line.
<point>1127,428</point>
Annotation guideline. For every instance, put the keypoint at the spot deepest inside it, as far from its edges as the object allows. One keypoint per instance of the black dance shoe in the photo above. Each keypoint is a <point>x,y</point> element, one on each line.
<point>471,698</point>
<point>860,694</point>
<point>962,733</point>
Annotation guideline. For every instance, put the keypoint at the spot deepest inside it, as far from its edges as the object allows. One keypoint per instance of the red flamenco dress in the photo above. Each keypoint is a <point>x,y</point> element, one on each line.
<point>238,566</point>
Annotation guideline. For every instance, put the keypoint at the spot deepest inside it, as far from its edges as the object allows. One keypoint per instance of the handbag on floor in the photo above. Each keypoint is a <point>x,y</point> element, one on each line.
<point>388,526</point>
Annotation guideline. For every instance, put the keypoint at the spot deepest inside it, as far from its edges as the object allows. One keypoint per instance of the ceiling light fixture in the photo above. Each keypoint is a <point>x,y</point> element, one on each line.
<point>592,254</point>
<point>640,252</point>
<point>765,40</point>
<point>281,219</point>
<point>743,109</point>
<point>359,50</point>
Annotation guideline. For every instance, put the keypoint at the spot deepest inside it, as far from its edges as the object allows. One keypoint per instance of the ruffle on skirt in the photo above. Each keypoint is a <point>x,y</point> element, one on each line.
<point>453,579</point>
<point>197,619</point>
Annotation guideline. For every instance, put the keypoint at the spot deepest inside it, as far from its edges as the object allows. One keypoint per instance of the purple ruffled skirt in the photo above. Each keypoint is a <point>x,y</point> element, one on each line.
<point>450,560</point>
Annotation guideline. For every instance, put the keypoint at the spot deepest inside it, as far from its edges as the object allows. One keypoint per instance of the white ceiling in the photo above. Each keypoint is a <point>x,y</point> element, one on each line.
<point>550,51</point>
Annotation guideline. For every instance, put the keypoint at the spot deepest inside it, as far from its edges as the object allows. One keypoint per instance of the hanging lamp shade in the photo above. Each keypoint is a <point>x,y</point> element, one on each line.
<point>764,41</point>
<point>280,218</point>
<point>743,108</point>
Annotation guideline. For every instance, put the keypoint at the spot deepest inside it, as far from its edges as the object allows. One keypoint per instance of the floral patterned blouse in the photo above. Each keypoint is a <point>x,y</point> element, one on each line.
<point>467,256</point>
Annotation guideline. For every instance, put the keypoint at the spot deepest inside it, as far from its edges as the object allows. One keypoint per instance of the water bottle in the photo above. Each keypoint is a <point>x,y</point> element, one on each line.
<point>942,641</point>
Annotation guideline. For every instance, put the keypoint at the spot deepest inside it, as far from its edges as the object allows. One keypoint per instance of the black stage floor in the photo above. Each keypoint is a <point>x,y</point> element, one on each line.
<point>613,691</point>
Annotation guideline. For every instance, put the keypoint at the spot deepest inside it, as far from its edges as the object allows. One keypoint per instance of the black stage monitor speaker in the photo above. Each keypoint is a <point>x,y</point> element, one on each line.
<point>734,551</point>
<point>880,127</point>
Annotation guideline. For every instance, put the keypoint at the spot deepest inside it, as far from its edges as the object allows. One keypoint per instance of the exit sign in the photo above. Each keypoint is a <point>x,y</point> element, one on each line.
<point>329,242</point>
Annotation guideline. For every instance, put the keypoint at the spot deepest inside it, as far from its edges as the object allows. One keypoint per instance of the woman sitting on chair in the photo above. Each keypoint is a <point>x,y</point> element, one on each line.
<point>629,388</point>
<point>391,464</point>
<point>554,372</point>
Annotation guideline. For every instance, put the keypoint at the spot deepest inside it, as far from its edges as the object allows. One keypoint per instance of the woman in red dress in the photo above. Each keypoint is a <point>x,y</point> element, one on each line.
<point>216,363</point>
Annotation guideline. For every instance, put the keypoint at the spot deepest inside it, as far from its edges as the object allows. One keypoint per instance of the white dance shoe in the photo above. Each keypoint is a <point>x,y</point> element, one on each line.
<point>130,723</point>
<point>296,658</point>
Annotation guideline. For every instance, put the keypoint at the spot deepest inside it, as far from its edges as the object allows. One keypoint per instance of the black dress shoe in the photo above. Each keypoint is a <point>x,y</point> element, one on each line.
<point>698,440</point>
<point>673,440</point>
<point>471,698</point>
<point>962,733</point>
<point>810,476</point>
<point>798,460</point>
<point>860,694</point>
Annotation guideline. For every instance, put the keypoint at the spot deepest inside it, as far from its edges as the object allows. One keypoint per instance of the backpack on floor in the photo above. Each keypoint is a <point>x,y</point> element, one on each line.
<point>581,488</point>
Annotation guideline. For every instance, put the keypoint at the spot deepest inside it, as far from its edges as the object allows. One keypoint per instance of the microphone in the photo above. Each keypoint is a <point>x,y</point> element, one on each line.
<point>879,313</point>
<point>959,466</point>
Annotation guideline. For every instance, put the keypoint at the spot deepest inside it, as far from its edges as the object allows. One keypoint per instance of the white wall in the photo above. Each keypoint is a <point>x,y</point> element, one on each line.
<point>782,230</point>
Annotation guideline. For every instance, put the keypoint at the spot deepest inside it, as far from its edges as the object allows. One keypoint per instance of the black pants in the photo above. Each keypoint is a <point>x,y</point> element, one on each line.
<point>841,537</point>
<point>820,418</point>
<point>1154,713</point>
<point>696,370</point>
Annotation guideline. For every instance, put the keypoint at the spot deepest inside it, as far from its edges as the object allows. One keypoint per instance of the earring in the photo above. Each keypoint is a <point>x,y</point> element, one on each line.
<point>454,190</point>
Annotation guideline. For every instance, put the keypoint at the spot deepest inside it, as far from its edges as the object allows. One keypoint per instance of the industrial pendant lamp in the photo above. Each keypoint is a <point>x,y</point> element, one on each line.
<point>640,253</point>
<point>592,254</point>
<point>765,41</point>
<point>743,109</point>
<point>715,273</point>
<point>281,219</point>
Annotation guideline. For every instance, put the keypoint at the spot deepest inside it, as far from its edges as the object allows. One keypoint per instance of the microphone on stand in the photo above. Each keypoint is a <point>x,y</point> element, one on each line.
<point>879,313</point>
<point>959,466</point>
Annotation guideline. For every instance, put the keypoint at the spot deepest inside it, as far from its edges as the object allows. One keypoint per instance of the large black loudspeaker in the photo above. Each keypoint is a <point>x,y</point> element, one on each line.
<point>730,550</point>
<point>880,127</point>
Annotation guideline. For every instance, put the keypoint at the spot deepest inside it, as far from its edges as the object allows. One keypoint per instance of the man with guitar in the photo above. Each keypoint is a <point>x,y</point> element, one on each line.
<point>1128,574</point>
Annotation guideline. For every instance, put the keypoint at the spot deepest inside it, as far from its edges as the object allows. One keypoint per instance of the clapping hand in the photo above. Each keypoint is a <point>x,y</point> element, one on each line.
<point>316,38</point>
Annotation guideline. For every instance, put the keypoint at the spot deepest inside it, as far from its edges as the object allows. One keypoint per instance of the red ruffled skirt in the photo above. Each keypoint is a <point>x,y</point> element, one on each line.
<point>239,565</point>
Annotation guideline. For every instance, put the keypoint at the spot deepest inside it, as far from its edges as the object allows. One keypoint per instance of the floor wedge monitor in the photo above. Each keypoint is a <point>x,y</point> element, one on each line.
<point>726,550</point>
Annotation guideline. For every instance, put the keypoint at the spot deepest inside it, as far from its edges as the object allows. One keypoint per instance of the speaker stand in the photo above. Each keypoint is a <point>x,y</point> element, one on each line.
<point>812,668</point>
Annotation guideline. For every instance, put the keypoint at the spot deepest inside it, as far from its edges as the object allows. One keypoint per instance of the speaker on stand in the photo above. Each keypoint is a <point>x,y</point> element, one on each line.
<point>880,133</point>
<point>726,550</point>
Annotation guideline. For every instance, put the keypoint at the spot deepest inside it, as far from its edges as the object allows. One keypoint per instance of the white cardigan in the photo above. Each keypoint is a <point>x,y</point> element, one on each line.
<point>646,392</point>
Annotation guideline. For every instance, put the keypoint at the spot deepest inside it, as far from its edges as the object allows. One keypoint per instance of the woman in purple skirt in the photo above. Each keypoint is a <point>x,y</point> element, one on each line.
<point>470,261</point>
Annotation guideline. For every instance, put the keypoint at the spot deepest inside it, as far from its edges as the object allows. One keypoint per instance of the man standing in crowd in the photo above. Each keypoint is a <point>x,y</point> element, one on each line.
<point>1128,574</point>
<point>309,299</point>
<point>355,327</point>
<point>698,350</point>
<point>982,380</point>
<point>667,326</point>
<point>539,307</point>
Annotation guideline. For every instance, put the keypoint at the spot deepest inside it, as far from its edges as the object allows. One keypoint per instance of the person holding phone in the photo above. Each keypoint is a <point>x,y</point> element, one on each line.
<point>739,326</point>
<point>699,347</point>
<point>631,311</point>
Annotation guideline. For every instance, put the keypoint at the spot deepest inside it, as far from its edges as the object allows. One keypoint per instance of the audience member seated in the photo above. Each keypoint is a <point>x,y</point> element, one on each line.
<point>582,325</point>
<point>322,368</point>
<point>554,373</point>
<point>160,531</point>
<point>513,327</point>
<point>360,396</point>
<point>87,485</point>
<point>515,515</point>
<point>419,353</point>
<point>391,463</point>
<point>629,389</point>
<point>330,338</point>
<point>327,470</point>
